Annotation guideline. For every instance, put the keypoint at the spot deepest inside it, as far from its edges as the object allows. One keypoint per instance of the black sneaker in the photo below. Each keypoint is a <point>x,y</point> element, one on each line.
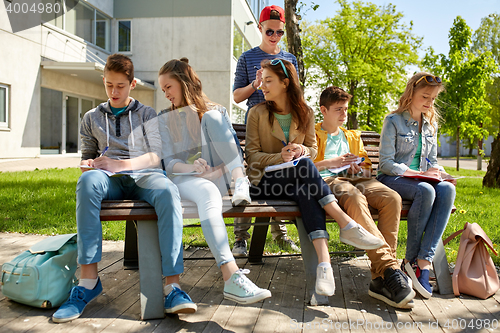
<point>393,289</point>
<point>240,248</point>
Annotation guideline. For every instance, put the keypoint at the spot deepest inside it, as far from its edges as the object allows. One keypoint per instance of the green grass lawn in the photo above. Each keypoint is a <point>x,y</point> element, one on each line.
<point>43,202</point>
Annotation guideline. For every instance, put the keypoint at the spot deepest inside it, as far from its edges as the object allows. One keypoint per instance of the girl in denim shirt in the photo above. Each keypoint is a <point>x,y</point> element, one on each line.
<point>408,147</point>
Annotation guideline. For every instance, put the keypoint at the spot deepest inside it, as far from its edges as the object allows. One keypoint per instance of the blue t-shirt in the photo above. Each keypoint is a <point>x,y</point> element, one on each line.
<point>245,70</point>
<point>336,145</point>
<point>118,111</point>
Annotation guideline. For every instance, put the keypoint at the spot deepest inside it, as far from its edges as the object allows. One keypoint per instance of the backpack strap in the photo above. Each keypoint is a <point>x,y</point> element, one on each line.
<point>455,234</point>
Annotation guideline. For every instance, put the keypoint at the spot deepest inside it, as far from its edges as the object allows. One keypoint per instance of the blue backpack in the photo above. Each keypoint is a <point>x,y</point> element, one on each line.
<point>44,275</point>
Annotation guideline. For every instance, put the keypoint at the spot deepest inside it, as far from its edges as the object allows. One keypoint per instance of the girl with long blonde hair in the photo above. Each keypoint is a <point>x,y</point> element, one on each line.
<point>408,165</point>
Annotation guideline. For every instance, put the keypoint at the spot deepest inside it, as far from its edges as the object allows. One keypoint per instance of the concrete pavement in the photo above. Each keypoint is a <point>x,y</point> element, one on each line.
<point>73,160</point>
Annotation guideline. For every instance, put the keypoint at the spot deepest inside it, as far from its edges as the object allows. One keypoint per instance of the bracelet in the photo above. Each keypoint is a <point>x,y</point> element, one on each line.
<point>253,85</point>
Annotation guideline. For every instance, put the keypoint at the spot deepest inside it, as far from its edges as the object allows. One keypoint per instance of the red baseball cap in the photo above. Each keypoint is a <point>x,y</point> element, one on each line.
<point>265,14</point>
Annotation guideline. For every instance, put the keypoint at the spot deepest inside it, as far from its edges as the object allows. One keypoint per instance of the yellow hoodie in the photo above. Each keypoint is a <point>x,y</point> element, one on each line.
<point>353,139</point>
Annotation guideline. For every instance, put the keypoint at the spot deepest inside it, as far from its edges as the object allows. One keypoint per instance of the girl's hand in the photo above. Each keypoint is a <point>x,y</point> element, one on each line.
<point>201,166</point>
<point>433,172</point>
<point>287,154</point>
<point>448,178</point>
<point>211,174</point>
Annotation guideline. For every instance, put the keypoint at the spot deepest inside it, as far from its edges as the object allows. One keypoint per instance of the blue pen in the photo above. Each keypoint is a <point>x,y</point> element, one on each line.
<point>284,144</point>
<point>428,162</point>
<point>105,150</point>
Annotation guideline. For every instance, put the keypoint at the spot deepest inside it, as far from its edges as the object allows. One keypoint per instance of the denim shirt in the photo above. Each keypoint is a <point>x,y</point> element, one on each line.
<point>399,141</point>
<point>180,151</point>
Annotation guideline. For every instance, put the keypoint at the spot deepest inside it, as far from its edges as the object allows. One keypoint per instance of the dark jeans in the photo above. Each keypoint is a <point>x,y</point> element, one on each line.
<point>304,185</point>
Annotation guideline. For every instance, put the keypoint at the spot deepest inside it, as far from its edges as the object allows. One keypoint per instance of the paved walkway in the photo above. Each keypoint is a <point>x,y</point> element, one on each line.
<point>73,160</point>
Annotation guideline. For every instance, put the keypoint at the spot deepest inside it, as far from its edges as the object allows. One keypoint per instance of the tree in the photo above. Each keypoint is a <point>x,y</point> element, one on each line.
<point>463,105</point>
<point>293,36</point>
<point>365,50</point>
<point>487,37</point>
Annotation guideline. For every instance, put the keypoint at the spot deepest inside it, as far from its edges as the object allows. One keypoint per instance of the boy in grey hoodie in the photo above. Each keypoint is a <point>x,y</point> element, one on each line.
<point>121,137</point>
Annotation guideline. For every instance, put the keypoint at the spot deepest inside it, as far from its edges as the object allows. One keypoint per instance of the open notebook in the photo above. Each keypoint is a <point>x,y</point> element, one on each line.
<point>285,165</point>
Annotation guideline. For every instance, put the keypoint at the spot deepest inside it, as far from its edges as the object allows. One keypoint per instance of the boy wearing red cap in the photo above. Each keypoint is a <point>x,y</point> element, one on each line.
<point>248,78</point>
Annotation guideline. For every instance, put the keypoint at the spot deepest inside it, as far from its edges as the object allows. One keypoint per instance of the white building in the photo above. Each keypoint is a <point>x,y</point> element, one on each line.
<point>51,74</point>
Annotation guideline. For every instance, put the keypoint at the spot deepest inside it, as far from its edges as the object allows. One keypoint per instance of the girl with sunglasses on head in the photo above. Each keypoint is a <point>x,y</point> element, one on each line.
<point>408,148</point>
<point>248,78</point>
<point>200,154</point>
<point>282,129</point>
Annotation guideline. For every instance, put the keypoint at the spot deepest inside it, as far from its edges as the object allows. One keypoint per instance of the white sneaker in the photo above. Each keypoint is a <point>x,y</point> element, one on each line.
<point>359,237</point>
<point>241,195</point>
<point>325,284</point>
<point>241,290</point>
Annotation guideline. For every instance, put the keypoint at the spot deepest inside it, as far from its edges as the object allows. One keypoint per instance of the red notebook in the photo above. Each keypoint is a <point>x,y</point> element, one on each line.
<point>426,178</point>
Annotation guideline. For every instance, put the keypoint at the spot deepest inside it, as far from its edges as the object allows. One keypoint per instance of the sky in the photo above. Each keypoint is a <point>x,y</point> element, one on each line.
<point>432,19</point>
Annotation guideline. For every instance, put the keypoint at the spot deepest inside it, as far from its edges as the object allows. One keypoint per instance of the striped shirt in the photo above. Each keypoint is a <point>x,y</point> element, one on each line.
<point>245,70</point>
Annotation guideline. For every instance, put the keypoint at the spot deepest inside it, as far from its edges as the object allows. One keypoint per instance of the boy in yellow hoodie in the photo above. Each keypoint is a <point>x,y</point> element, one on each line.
<point>355,190</point>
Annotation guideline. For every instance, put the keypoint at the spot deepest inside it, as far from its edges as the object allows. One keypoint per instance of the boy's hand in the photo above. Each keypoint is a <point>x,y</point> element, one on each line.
<point>88,162</point>
<point>354,169</point>
<point>258,78</point>
<point>109,164</point>
<point>342,160</point>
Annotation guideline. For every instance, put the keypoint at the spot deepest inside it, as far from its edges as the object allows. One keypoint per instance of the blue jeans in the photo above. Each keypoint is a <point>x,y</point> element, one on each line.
<point>304,185</point>
<point>95,186</point>
<point>219,146</point>
<point>428,214</point>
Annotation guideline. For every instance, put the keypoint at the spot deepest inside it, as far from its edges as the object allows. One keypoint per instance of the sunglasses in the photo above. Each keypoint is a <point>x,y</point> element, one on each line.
<point>278,61</point>
<point>429,79</point>
<point>270,32</point>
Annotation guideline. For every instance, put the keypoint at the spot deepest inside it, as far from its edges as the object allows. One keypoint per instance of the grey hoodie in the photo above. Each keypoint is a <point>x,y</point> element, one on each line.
<point>130,134</point>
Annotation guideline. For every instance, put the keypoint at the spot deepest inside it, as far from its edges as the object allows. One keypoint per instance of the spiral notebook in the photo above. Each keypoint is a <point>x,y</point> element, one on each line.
<point>285,165</point>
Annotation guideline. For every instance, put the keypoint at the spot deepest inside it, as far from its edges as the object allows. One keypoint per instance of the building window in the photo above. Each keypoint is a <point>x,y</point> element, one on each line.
<point>4,106</point>
<point>124,36</point>
<point>85,22</point>
<point>102,28</point>
<point>240,44</point>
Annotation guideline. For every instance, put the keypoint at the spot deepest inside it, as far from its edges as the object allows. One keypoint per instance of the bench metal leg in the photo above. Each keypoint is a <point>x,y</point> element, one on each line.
<point>150,270</point>
<point>130,256</point>
<point>258,241</point>
<point>310,261</point>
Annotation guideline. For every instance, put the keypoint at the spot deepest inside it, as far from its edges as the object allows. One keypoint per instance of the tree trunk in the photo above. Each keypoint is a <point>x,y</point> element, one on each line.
<point>352,116</point>
<point>458,148</point>
<point>293,37</point>
<point>479,156</point>
<point>492,177</point>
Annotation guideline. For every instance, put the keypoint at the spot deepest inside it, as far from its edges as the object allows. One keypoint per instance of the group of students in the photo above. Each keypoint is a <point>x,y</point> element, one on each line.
<point>189,151</point>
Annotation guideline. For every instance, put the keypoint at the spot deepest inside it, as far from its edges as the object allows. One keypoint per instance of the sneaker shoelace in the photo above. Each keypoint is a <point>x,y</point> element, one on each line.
<point>396,283</point>
<point>76,295</point>
<point>243,282</point>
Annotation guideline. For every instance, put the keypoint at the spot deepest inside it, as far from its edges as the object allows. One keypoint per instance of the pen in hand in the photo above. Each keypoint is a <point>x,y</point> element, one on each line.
<point>429,164</point>
<point>104,151</point>
<point>284,144</point>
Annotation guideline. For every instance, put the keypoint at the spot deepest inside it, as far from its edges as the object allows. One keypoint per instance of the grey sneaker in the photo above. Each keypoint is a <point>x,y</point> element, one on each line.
<point>285,242</point>
<point>241,195</point>
<point>325,284</point>
<point>359,237</point>
<point>240,248</point>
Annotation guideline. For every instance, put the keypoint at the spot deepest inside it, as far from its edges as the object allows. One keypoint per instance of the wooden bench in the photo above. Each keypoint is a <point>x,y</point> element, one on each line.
<point>142,246</point>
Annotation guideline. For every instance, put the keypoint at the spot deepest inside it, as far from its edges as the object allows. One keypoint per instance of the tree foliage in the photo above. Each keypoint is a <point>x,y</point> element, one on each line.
<point>463,105</point>
<point>365,50</point>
